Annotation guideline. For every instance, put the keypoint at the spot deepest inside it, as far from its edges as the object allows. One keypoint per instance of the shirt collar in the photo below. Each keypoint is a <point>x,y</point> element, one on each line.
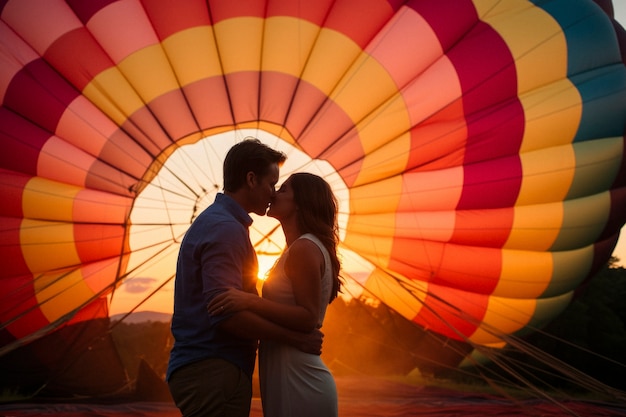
<point>234,208</point>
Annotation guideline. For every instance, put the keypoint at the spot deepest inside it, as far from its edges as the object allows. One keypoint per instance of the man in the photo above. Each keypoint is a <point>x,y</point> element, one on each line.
<point>212,361</point>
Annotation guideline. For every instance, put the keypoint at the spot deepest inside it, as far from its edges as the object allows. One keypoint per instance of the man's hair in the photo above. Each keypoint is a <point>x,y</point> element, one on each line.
<point>245,156</point>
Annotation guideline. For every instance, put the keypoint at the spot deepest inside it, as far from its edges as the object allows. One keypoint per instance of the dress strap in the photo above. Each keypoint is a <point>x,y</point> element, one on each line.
<point>327,282</point>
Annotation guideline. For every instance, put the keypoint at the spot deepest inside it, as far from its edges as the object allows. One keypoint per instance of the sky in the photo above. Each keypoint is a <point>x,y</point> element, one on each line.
<point>134,290</point>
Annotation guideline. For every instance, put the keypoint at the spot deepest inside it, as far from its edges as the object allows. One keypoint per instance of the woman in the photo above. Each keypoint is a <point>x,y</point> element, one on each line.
<point>302,283</point>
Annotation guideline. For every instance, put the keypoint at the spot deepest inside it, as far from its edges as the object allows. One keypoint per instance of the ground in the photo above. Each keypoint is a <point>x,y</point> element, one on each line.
<point>358,397</point>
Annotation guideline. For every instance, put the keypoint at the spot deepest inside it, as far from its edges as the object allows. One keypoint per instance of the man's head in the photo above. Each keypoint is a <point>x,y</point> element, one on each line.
<point>251,171</point>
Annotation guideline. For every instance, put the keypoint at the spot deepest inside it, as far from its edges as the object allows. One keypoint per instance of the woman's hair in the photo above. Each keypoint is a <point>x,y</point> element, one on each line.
<point>317,214</point>
<point>245,156</point>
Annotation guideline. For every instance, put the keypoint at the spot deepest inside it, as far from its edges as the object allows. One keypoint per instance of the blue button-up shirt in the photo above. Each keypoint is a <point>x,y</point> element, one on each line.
<point>215,254</point>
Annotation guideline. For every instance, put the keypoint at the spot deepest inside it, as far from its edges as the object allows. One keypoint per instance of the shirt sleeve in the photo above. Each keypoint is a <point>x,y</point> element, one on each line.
<point>224,258</point>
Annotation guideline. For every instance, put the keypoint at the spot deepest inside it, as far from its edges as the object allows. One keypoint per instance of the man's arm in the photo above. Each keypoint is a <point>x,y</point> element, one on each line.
<point>290,316</point>
<point>247,325</point>
<point>303,267</point>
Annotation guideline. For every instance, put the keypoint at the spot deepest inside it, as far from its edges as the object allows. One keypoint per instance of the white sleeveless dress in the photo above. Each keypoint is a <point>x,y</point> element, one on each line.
<point>294,383</point>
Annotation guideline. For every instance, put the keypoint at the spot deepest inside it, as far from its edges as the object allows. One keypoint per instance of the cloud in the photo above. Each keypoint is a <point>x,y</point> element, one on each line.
<point>139,285</point>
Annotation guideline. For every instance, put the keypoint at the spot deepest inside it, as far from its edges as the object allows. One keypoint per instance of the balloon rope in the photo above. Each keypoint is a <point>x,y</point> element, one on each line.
<point>510,366</point>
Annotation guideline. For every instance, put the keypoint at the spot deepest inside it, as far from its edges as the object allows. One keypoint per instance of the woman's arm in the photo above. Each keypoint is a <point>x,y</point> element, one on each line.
<point>248,325</point>
<point>303,266</point>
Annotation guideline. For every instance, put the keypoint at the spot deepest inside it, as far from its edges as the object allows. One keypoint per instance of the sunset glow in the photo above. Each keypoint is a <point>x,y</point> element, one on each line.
<point>184,186</point>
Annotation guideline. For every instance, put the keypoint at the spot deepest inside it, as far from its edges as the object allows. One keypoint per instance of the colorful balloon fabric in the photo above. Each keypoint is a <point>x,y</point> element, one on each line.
<point>480,144</point>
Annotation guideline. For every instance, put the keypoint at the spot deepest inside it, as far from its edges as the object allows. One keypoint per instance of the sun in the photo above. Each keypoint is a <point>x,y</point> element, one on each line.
<point>266,262</point>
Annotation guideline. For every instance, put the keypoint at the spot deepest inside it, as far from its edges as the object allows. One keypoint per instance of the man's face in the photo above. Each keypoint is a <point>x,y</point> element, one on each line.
<point>264,190</point>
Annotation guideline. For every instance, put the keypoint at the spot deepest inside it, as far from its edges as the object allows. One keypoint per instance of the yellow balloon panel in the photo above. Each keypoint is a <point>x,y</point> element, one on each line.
<point>149,72</point>
<point>548,175</point>
<point>333,47</point>
<point>61,291</point>
<point>406,303</point>
<point>552,114</point>
<point>535,227</point>
<point>282,51</point>
<point>363,87</point>
<point>374,249</point>
<point>50,200</point>
<point>542,41</point>
<point>240,44</point>
<point>48,246</point>
<point>378,197</point>
<point>386,161</point>
<point>524,274</point>
<point>113,95</point>
<point>385,124</point>
<point>380,224</point>
<point>503,317</point>
<point>193,54</point>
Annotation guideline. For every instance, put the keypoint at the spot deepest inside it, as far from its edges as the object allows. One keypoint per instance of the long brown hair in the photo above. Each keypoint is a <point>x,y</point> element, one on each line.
<point>317,214</point>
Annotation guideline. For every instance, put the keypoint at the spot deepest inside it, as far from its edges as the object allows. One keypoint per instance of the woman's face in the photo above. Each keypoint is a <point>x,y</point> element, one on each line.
<point>264,190</point>
<point>283,205</point>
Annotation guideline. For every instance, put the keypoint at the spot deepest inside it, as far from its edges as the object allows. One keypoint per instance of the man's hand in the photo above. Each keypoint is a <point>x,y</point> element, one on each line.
<point>247,325</point>
<point>311,342</point>
<point>231,301</point>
